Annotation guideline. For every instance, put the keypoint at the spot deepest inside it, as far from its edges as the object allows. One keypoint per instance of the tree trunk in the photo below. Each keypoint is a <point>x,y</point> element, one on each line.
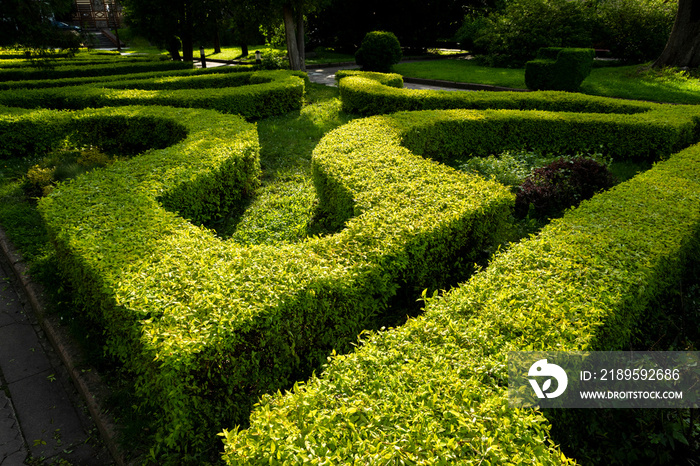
<point>186,30</point>
<point>683,46</point>
<point>217,41</point>
<point>244,50</point>
<point>291,36</point>
<point>187,47</point>
<point>300,39</point>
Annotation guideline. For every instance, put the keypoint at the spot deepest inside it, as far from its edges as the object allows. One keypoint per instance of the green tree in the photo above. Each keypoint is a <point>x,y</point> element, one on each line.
<point>683,47</point>
<point>293,14</point>
<point>25,23</point>
<point>174,23</point>
<point>512,36</point>
<point>417,23</point>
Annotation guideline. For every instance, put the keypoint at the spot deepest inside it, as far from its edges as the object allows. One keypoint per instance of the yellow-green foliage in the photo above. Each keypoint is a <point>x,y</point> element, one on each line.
<point>207,326</point>
<point>254,95</point>
<point>387,79</point>
<point>74,69</point>
<point>434,390</point>
<point>114,78</point>
<point>619,128</point>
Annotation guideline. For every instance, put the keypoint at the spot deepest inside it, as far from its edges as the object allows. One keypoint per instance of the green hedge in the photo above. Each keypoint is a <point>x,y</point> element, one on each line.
<point>207,326</point>
<point>82,70</point>
<point>260,94</point>
<point>434,390</point>
<point>387,79</point>
<point>559,69</point>
<point>44,83</point>
<point>622,129</point>
<point>367,96</point>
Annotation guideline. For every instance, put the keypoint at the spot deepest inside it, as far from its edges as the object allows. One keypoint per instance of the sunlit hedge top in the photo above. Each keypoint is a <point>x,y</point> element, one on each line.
<point>207,325</point>
<point>252,94</point>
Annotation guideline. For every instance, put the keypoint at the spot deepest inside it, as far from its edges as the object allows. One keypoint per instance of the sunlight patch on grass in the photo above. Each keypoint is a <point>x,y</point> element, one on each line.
<point>465,71</point>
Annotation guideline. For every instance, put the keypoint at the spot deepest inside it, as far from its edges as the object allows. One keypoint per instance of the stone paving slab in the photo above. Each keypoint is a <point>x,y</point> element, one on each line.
<point>21,354</point>
<point>49,421</point>
<point>13,451</point>
<point>41,417</point>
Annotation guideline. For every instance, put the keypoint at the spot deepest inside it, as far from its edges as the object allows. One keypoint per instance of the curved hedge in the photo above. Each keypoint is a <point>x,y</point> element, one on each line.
<point>545,121</point>
<point>434,390</point>
<point>259,94</point>
<point>141,75</point>
<point>207,326</point>
<point>75,69</point>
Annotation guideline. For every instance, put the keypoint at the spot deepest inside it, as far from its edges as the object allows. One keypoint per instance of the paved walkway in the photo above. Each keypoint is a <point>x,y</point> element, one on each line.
<point>42,417</point>
<point>326,76</point>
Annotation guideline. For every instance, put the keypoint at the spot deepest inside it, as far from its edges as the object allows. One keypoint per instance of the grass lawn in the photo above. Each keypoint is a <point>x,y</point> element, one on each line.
<point>629,82</point>
<point>464,71</point>
<point>642,83</point>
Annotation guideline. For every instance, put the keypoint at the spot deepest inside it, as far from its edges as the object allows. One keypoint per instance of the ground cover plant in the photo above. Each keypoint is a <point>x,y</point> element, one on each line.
<point>282,181</point>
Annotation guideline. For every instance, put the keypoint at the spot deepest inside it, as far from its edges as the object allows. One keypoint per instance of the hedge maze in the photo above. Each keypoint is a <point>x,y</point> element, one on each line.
<point>434,390</point>
<point>209,327</point>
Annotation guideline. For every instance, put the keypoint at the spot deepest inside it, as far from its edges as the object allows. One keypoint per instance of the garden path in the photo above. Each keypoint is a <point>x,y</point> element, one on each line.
<point>42,418</point>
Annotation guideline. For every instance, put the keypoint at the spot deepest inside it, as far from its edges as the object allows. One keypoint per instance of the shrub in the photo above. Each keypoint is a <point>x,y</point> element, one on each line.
<point>140,76</point>
<point>242,321</point>
<point>433,391</point>
<point>81,70</point>
<point>561,184</point>
<point>471,29</point>
<point>378,52</point>
<point>559,69</point>
<point>259,94</point>
<point>632,129</point>
<point>513,36</point>
<point>634,30</point>
<point>387,79</point>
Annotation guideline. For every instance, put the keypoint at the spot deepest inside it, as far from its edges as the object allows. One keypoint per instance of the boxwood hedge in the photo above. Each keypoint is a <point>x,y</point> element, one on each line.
<point>620,128</point>
<point>259,94</point>
<point>207,326</point>
<point>143,75</point>
<point>75,70</point>
<point>434,390</point>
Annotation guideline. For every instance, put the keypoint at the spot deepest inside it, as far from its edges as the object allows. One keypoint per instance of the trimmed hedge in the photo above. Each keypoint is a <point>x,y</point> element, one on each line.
<point>208,326</point>
<point>378,51</point>
<point>362,93</point>
<point>559,69</point>
<point>434,391</point>
<point>81,70</point>
<point>260,94</point>
<point>622,129</point>
<point>44,83</point>
<point>387,79</point>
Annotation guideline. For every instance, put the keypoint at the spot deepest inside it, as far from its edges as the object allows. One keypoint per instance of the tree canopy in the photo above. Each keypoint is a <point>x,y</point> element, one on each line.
<point>26,23</point>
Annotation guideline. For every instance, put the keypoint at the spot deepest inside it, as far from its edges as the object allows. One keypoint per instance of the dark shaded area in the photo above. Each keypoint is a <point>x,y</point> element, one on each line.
<point>643,436</point>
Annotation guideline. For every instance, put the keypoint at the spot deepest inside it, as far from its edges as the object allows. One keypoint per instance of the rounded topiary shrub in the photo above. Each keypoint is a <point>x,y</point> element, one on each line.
<point>563,183</point>
<point>378,51</point>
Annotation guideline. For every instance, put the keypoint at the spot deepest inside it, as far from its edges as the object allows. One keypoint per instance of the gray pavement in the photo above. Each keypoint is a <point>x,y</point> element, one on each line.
<point>326,75</point>
<point>42,417</point>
